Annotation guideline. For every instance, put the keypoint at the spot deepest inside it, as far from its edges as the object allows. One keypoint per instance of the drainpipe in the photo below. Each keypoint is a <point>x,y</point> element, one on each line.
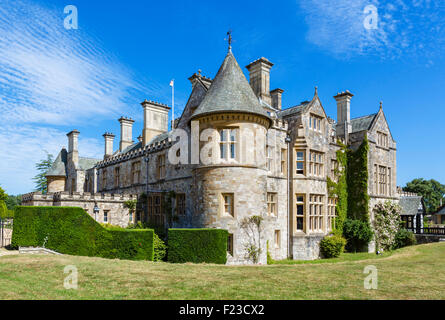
<point>288,140</point>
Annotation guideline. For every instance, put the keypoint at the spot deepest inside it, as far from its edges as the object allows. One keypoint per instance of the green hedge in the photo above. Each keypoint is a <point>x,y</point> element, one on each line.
<point>71,230</point>
<point>197,245</point>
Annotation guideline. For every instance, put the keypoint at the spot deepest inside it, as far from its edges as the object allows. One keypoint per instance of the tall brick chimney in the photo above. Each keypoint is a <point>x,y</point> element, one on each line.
<point>259,78</point>
<point>344,127</point>
<point>109,139</point>
<point>155,120</point>
<point>73,147</point>
<point>126,133</point>
<point>276,98</point>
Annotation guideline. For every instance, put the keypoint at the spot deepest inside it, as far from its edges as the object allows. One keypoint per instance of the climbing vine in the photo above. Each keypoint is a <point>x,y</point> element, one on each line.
<point>339,189</point>
<point>357,183</point>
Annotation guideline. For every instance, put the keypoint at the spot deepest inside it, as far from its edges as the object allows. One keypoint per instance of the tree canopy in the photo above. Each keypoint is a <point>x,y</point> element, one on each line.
<point>42,167</point>
<point>433,192</point>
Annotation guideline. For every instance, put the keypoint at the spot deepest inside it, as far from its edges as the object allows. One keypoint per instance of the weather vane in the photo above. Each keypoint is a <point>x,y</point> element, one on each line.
<point>229,39</point>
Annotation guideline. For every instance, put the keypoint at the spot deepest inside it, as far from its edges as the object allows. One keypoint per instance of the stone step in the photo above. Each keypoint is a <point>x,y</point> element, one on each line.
<point>442,240</point>
<point>38,250</point>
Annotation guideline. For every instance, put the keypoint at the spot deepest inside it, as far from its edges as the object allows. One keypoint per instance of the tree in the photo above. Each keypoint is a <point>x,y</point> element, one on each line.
<point>13,201</point>
<point>42,167</point>
<point>432,191</point>
<point>3,195</point>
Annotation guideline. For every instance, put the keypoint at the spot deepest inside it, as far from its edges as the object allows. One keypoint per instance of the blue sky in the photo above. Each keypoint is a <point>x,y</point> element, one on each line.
<point>53,80</point>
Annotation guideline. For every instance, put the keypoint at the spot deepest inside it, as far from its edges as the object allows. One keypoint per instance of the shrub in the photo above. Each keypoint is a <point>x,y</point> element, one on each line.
<point>71,230</point>
<point>160,249</point>
<point>357,234</point>
<point>197,245</point>
<point>332,246</point>
<point>386,224</point>
<point>4,212</point>
<point>404,238</point>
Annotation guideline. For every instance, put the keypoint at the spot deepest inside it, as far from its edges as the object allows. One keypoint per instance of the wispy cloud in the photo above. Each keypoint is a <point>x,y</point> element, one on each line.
<point>406,28</point>
<point>51,77</point>
<point>21,147</point>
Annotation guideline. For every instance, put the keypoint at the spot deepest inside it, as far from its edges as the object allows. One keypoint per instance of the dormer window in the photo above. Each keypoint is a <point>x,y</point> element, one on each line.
<point>315,122</point>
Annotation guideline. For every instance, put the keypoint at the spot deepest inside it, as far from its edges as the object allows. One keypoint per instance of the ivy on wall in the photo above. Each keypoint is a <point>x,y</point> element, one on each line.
<point>339,189</point>
<point>351,186</point>
<point>357,183</point>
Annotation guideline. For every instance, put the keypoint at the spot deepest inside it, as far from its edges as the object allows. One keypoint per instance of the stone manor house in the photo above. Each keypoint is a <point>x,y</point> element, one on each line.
<point>287,186</point>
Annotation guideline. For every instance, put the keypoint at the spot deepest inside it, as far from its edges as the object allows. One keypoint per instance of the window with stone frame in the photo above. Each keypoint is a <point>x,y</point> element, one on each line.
<point>272,203</point>
<point>160,166</point>
<point>315,122</point>
<point>154,209</point>
<point>334,170</point>
<point>382,180</point>
<point>315,212</point>
<point>136,172</point>
<point>106,216</point>
<point>230,244</point>
<point>382,139</point>
<point>300,162</point>
<point>316,164</point>
<point>376,179</point>
<point>104,179</point>
<point>227,204</point>
<point>299,214</point>
<point>277,239</point>
<point>228,143</point>
<point>269,158</point>
<point>389,181</point>
<point>283,162</point>
<point>331,214</point>
<point>117,177</point>
<point>180,203</point>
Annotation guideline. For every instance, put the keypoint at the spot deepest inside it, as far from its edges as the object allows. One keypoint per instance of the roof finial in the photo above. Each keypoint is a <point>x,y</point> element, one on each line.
<point>229,39</point>
<point>381,105</point>
<point>316,91</point>
<point>199,72</point>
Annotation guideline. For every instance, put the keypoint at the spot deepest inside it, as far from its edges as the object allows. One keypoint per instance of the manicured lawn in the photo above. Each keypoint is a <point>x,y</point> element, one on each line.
<point>411,273</point>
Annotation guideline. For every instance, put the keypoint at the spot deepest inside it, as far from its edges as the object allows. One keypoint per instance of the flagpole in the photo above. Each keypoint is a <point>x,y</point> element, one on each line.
<point>173,103</point>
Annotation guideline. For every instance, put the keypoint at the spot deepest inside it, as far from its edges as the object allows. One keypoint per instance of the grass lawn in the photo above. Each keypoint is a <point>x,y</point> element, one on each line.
<point>416,272</point>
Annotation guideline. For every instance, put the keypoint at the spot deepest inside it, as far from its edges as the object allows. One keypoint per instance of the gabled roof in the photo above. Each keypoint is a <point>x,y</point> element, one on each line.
<point>291,111</point>
<point>87,163</point>
<point>440,211</point>
<point>410,205</point>
<point>363,123</point>
<point>58,169</point>
<point>230,92</point>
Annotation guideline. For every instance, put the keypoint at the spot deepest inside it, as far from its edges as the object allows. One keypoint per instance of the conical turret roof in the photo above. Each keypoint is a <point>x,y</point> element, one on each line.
<point>230,92</point>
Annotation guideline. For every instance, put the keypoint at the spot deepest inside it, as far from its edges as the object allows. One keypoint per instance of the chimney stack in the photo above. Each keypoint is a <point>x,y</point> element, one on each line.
<point>126,133</point>
<point>344,127</point>
<point>259,78</point>
<point>109,138</point>
<point>197,76</point>
<point>155,120</point>
<point>276,98</point>
<point>73,147</point>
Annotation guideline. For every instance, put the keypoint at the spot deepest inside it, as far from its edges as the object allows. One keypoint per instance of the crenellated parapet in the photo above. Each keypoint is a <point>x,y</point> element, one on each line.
<point>36,198</point>
<point>280,124</point>
<point>150,148</point>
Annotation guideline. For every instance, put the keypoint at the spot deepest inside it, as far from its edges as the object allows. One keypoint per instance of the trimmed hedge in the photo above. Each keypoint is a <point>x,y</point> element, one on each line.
<point>197,245</point>
<point>71,230</point>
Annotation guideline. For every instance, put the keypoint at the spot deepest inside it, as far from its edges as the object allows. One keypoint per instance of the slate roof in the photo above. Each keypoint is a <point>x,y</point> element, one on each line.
<point>410,205</point>
<point>58,169</point>
<point>441,211</point>
<point>230,91</point>
<point>87,163</point>
<point>291,110</point>
<point>362,123</point>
